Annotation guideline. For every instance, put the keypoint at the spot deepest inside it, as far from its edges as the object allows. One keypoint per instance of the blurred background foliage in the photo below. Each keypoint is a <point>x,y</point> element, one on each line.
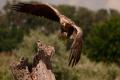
<point>100,58</point>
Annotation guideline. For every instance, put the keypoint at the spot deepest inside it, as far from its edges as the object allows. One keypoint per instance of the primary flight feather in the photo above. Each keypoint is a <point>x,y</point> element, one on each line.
<point>68,27</point>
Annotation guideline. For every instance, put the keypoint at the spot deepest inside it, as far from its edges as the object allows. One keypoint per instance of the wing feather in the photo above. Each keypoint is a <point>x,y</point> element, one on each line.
<point>76,49</point>
<point>45,10</point>
<point>50,12</point>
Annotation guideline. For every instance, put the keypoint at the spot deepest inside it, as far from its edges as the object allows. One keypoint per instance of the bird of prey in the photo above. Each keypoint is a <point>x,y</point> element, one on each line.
<point>68,28</point>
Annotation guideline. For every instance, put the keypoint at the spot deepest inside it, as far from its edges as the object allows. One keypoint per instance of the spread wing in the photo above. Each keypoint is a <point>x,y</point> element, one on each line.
<point>45,10</point>
<point>76,49</point>
<point>50,12</point>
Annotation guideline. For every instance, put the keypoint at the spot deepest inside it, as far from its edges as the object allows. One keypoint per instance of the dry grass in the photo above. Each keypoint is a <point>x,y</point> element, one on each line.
<point>5,61</point>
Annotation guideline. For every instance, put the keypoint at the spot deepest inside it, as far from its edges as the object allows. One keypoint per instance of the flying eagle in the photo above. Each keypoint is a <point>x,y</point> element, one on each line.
<point>68,28</point>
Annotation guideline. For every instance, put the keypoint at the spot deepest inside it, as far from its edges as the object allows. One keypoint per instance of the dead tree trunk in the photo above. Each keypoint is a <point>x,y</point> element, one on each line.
<point>40,69</point>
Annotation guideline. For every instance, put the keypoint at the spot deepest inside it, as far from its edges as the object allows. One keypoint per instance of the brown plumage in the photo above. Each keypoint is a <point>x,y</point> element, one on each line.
<point>68,27</point>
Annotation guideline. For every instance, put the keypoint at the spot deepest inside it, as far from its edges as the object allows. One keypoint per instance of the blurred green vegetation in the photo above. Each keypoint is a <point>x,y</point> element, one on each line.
<point>19,32</point>
<point>9,38</point>
<point>104,41</point>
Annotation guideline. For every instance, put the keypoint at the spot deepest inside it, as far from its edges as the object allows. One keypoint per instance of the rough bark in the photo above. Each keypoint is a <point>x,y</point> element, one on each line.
<point>40,69</point>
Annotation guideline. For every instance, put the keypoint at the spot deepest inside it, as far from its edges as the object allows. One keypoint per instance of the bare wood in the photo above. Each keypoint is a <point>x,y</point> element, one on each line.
<point>40,69</point>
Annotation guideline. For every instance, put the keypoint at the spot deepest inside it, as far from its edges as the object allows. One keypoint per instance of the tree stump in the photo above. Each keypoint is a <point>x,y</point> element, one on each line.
<point>40,69</point>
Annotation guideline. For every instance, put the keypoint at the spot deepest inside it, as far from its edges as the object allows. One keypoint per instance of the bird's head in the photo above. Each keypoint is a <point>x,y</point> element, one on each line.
<point>64,21</point>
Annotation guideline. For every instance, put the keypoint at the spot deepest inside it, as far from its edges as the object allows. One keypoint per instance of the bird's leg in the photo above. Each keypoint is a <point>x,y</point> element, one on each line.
<point>63,34</point>
<point>70,32</point>
<point>73,35</point>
